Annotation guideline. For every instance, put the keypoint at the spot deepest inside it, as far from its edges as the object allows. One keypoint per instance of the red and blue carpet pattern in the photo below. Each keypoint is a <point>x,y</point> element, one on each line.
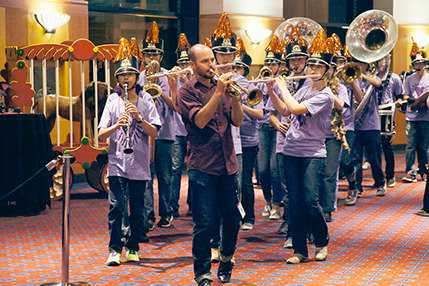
<point>379,241</point>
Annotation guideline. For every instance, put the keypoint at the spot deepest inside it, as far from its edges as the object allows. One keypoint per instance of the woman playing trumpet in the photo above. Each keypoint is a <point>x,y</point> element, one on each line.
<point>127,170</point>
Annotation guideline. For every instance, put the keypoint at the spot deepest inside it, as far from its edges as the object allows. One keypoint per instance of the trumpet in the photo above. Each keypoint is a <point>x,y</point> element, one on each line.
<point>350,72</point>
<point>297,77</point>
<point>254,96</point>
<point>128,149</point>
<point>178,72</point>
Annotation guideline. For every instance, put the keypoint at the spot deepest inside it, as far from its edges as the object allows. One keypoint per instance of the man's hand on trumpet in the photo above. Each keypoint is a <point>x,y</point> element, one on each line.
<point>223,82</point>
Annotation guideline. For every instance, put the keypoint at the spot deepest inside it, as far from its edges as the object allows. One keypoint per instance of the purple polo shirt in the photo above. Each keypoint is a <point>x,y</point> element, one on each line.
<point>306,135</point>
<point>167,131</point>
<point>391,90</point>
<point>263,87</point>
<point>349,111</point>
<point>134,166</point>
<point>249,127</point>
<point>211,149</point>
<point>414,87</point>
<point>344,96</point>
<point>270,106</point>
<point>369,118</point>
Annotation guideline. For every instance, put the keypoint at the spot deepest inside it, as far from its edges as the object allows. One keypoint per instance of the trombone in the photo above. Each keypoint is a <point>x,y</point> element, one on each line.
<point>254,96</point>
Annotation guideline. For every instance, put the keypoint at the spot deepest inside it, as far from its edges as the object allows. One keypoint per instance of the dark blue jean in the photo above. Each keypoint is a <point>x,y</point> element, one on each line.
<point>161,167</point>
<point>371,141</point>
<point>117,189</point>
<point>386,146</point>
<point>213,197</point>
<point>247,190</point>
<point>417,141</point>
<point>304,178</point>
<point>215,241</point>
<point>347,164</point>
<point>328,196</point>
<point>267,163</point>
<point>178,162</point>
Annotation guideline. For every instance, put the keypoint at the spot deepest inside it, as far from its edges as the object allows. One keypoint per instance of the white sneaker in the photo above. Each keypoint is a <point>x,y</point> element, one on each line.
<point>247,226</point>
<point>114,259</point>
<point>274,214</point>
<point>321,253</point>
<point>266,211</point>
<point>288,243</point>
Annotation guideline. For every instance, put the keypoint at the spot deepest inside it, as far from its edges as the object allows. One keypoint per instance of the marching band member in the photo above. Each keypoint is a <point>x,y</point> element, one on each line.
<point>295,59</point>
<point>367,130</point>
<point>179,146</point>
<point>127,170</point>
<point>348,111</point>
<point>417,119</point>
<point>334,133</point>
<point>305,152</point>
<point>223,43</point>
<point>153,49</point>
<point>208,114</point>
<point>392,90</point>
<point>425,210</point>
<point>249,136</point>
<point>267,166</point>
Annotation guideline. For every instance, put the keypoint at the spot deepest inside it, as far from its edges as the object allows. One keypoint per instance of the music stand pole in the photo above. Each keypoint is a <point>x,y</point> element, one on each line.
<point>66,230</point>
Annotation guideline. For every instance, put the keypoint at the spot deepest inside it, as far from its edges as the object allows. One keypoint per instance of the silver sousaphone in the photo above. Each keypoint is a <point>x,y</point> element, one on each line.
<point>370,37</point>
<point>306,26</point>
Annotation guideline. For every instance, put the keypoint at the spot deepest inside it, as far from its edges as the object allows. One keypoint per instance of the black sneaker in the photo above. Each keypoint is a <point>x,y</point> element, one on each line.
<point>328,216</point>
<point>410,178</point>
<point>165,221</point>
<point>150,225</point>
<point>351,197</point>
<point>283,228</point>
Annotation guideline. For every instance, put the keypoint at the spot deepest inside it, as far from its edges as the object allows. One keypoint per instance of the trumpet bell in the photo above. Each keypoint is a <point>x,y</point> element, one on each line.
<point>371,35</point>
<point>350,72</point>
<point>255,96</point>
<point>153,89</point>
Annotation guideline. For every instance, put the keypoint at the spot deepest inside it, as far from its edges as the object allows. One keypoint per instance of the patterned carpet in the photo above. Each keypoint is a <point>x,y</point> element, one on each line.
<point>380,241</point>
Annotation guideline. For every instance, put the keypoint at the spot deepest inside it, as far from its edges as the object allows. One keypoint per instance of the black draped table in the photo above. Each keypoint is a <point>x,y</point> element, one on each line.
<point>25,147</point>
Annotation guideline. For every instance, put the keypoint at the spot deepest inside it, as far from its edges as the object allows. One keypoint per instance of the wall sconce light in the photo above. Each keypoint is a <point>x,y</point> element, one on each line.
<point>421,39</point>
<point>256,35</point>
<point>52,21</point>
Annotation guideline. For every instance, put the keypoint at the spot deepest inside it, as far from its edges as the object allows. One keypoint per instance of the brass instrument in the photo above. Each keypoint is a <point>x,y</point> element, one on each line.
<point>171,72</point>
<point>264,73</point>
<point>128,149</point>
<point>350,72</point>
<point>370,37</point>
<point>151,87</point>
<point>254,96</point>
